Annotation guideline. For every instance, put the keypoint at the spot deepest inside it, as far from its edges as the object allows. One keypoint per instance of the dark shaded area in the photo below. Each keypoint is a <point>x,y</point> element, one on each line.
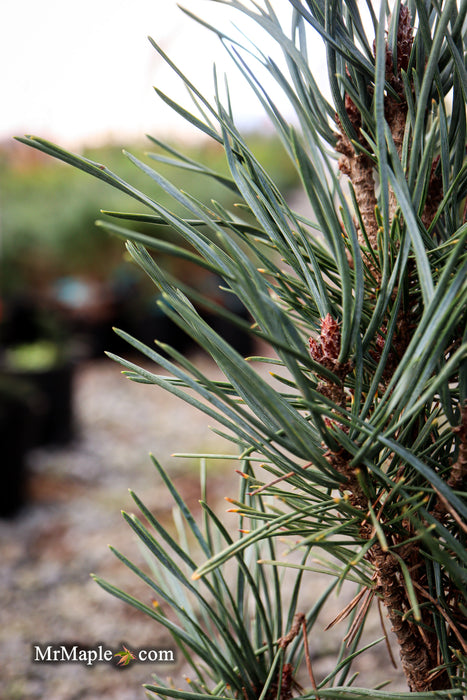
<point>44,340</point>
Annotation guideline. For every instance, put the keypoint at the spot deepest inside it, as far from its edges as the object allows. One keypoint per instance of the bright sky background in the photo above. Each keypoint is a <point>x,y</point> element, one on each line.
<point>85,71</point>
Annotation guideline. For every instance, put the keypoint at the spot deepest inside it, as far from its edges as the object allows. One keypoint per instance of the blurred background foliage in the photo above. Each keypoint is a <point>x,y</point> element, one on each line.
<point>61,277</point>
<point>64,283</point>
<point>48,209</point>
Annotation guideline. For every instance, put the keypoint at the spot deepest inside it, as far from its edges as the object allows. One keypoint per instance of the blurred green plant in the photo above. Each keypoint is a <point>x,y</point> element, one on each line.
<point>41,355</point>
<point>48,212</point>
<point>365,429</point>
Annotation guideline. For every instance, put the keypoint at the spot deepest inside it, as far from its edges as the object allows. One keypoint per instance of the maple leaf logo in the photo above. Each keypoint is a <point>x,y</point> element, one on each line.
<point>126,656</point>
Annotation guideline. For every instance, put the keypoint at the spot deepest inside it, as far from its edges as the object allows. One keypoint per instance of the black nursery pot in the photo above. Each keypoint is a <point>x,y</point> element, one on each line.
<point>36,410</point>
<point>20,417</point>
<point>54,388</point>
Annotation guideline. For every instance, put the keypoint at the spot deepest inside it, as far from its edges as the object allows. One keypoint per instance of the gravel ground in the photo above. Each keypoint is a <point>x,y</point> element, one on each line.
<point>76,494</point>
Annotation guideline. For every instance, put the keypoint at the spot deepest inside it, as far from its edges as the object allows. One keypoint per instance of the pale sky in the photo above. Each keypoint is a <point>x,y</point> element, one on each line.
<point>85,71</point>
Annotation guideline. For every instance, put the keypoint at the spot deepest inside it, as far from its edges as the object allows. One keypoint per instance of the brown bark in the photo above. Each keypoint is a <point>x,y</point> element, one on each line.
<point>418,643</point>
<point>418,651</point>
<point>458,475</point>
<point>359,170</point>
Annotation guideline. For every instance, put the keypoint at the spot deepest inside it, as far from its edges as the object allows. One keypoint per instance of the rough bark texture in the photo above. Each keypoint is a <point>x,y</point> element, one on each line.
<point>418,647</point>
<point>359,169</point>
<point>418,643</point>
<point>458,475</point>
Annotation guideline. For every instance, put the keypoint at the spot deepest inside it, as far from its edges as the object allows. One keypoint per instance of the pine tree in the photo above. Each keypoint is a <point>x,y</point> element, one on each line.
<point>363,309</point>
